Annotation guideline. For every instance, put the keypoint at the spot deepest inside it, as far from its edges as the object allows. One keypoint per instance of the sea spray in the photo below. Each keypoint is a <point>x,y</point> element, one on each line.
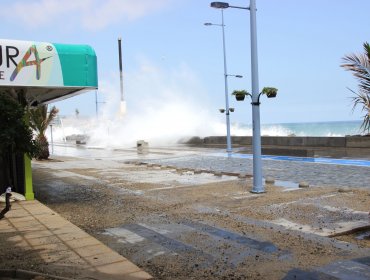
<point>163,106</point>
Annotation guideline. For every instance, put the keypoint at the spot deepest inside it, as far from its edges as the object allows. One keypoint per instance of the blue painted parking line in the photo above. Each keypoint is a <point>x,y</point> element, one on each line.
<point>334,161</point>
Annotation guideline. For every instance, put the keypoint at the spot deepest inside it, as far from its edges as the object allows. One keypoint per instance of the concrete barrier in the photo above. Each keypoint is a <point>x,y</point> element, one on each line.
<point>142,147</point>
<point>304,141</point>
<point>358,142</point>
<point>294,141</point>
<point>349,146</point>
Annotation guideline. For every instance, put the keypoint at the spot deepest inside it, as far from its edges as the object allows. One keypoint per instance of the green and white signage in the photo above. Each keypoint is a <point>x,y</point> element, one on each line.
<point>41,64</point>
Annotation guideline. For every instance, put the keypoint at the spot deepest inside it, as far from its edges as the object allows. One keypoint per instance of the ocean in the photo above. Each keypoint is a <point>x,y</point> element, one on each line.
<point>325,129</point>
<point>120,134</point>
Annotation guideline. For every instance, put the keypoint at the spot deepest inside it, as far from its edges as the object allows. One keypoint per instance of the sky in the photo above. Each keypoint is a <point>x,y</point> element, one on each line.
<point>171,59</point>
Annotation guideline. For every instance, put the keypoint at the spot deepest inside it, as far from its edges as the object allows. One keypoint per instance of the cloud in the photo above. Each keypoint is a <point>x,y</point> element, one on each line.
<point>112,11</point>
<point>90,14</point>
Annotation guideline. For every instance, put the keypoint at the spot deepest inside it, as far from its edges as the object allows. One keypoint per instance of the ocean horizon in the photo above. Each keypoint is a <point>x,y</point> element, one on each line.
<point>318,129</point>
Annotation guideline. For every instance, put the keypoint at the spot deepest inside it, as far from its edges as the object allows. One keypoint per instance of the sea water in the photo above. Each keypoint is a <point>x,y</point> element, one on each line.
<point>126,134</point>
<point>324,129</point>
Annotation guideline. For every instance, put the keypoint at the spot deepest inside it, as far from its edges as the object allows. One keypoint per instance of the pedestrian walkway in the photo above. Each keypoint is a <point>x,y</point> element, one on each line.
<point>333,161</point>
<point>316,172</point>
<point>60,244</point>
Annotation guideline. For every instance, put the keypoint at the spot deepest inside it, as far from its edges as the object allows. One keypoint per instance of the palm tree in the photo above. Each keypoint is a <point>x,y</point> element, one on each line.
<point>359,65</point>
<point>39,122</point>
<point>15,134</point>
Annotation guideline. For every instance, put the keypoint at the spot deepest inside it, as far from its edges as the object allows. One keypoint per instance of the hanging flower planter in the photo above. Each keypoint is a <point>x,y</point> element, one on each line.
<point>270,92</point>
<point>240,94</point>
<point>240,97</point>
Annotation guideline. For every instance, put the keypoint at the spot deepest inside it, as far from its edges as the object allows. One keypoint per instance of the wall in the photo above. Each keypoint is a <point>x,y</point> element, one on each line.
<point>296,141</point>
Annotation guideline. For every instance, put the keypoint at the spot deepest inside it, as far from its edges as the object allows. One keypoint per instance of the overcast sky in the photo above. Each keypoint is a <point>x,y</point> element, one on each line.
<point>170,56</point>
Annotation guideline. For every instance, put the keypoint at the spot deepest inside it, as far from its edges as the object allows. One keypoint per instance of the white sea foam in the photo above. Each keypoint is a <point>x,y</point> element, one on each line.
<point>162,107</point>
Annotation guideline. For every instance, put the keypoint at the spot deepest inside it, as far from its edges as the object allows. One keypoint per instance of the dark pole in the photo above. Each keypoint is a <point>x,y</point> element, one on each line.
<point>123,104</point>
<point>120,66</point>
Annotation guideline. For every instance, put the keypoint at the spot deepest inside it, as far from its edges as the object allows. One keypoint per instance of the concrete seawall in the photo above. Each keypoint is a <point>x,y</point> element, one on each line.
<point>351,146</point>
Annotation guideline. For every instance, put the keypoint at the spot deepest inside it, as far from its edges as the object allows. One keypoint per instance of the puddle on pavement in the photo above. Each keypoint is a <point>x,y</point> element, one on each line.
<point>200,242</point>
<point>286,184</point>
<point>141,233</point>
<point>364,235</point>
<point>266,247</point>
<point>170,178</point>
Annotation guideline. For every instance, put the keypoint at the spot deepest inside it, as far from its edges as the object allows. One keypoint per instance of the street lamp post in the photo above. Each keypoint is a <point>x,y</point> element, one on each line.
<point>227,109</point>
<point>96,103</point>
<point>228,137</point>
<point>51,137</point>
<point>256,142</point>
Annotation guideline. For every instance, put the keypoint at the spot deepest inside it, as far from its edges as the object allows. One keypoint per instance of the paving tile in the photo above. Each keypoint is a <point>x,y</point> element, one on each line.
<point>140,275</point>
<point>21,219</point>
<point>73,235</point>
<point>38,209</point>
<point>70,228</point>
<point>64,257</point>
<point>5,226</point>
<point>14,204</point>
<point>82,242</point>
<point>58,246</point>
<point>16,213</point>
<point>30,228</point>
<point>105,258</point>
<point>29,202</point>
<point>47,236</point>
<point>119,268</point>
<point>92,250</point>
<point>54,225</point>
<point>20,225</point>
<point>21,243</point>
<point>16,238</point>
<point>44,240</point>
<point>37,234</point>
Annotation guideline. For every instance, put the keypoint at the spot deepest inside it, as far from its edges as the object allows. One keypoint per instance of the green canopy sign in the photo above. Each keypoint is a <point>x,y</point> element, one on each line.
<point>45,71</point>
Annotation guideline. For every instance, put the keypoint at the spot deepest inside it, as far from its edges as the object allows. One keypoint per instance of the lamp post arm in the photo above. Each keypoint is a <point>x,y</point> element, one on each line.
<point>258,99</point>
<point>238,7</point>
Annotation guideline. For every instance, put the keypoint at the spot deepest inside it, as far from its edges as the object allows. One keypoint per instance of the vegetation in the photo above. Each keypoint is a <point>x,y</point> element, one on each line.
<point>359,65</point>
<point>15,135</point>
<point>269,91</point>
<point>40,119</point>
<point>240,94</point>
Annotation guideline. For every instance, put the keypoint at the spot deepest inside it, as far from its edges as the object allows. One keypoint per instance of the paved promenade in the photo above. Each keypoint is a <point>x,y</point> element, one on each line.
<point>319,173</point>
<point>177,221</point>
<point>35,231</point>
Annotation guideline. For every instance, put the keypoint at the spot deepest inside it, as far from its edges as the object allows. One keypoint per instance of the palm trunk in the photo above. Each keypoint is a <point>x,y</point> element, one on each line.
<point>43,147</point>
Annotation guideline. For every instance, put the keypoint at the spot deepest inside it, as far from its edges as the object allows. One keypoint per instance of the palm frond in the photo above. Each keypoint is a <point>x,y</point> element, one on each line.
<point>40,118</point>
<point>359,65</point>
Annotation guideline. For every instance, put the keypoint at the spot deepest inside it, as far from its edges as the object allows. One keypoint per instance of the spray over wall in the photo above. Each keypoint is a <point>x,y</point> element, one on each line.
<point>163,106</point>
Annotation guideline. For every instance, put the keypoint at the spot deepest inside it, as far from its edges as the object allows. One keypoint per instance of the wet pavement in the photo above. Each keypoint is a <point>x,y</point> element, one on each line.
<point>34,231</point>
<point>201,226</point>
<point>314,173</point>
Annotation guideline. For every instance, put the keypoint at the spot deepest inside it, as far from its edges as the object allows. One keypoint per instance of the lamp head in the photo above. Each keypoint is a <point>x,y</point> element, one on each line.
<point>220,5</point>
<point>222,110</point>
<point>231,110</point>
<point>208,24</point>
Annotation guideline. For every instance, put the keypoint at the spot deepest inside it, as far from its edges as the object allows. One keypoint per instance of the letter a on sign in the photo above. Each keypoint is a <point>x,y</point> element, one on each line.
<point>24,62</point>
